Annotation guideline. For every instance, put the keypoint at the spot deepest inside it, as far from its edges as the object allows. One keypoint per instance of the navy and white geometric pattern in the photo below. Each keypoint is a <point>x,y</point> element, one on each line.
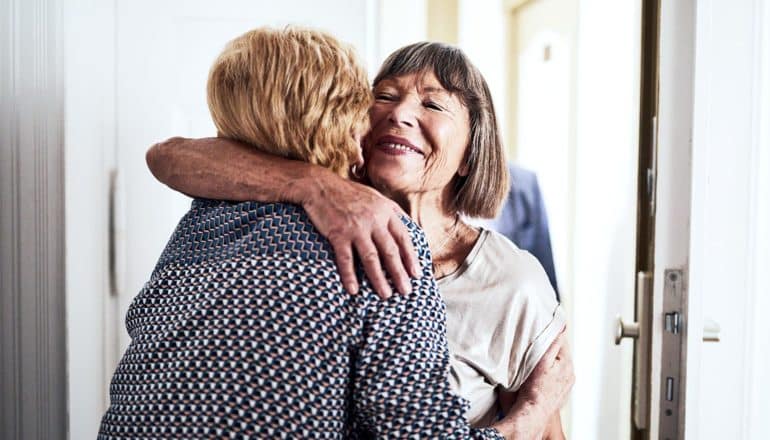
<point>244,331</point>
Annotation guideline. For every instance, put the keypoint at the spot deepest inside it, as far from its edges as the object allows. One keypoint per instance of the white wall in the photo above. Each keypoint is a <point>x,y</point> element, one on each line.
<point>728,394</point>
<point>89,121</point>
<point>397,24</point>
<point>481,35</point>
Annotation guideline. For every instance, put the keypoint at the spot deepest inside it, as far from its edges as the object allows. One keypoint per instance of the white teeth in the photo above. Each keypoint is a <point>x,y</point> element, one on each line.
<point>397,146</point>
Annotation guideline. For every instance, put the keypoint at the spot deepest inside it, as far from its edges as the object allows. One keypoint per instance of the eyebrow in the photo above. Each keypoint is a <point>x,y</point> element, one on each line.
<point>427,89</point>
<point>435,90</point>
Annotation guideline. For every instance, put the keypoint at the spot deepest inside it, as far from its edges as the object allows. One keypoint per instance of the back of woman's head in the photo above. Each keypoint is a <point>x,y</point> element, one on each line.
<point>295,93</point>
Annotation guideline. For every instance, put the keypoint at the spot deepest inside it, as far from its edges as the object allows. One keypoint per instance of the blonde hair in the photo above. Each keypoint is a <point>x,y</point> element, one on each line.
<point>295,93</point>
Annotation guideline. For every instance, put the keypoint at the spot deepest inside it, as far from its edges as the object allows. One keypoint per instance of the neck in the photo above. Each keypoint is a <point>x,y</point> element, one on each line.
<point>450,239</point>
<point>430,211</point>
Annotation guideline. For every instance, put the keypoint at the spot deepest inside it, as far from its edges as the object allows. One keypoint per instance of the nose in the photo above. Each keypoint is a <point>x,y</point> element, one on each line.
<point>403,112</point>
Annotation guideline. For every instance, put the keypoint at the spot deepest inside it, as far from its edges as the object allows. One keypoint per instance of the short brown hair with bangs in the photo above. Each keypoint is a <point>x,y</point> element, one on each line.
<point>482,191</point>
<point>294,92</point>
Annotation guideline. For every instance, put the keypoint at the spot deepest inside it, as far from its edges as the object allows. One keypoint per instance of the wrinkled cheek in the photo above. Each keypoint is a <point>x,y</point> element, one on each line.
<point>438,172</point>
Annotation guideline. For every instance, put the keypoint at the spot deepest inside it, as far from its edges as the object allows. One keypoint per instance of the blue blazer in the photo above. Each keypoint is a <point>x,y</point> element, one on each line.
<point>524,221</point>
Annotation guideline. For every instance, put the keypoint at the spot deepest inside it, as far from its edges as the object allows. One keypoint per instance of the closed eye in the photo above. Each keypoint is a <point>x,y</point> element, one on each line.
<point>433,106</point>
<point>384,97</point>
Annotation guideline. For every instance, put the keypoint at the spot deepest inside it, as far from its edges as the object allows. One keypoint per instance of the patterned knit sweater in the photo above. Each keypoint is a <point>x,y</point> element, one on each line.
<point>244,331</point>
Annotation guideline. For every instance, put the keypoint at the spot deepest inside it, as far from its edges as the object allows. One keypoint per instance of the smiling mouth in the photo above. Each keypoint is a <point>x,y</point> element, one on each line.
<point>397,147</point>
<point>392,145</point>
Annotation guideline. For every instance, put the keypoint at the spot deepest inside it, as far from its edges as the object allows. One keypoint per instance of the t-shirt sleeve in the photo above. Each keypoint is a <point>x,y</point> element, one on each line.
<point>539,321</point>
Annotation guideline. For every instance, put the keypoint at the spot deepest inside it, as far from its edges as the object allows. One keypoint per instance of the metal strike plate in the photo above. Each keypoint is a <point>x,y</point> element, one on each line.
<point>672,345</point>
<point>642,354</point>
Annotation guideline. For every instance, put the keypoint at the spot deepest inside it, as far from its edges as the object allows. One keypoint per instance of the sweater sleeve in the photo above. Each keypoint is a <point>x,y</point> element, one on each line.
<point>401,380</point>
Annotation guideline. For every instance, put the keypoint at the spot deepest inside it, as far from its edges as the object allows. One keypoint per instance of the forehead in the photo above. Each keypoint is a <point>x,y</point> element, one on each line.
<point>425,81</point>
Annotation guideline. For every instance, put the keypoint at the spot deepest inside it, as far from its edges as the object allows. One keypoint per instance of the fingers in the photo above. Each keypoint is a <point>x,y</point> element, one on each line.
<point>359,221</point>
<point>406,252</point>
<point>558,349</point>
<point>345,264</point>
<point>551,355</point>
<point>371,262</point>
<point>390,256</point>
<point>552,379</point>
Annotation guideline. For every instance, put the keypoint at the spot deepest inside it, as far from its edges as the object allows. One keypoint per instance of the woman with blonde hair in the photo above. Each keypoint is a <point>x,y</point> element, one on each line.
<point>435,150</point>
<point>244,329</point>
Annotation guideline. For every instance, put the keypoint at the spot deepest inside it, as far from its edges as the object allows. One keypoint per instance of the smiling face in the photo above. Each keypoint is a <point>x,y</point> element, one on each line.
<point>419,136</point>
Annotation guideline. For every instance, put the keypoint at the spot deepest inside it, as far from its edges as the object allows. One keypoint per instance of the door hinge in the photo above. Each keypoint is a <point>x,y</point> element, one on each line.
<point>650,176</point>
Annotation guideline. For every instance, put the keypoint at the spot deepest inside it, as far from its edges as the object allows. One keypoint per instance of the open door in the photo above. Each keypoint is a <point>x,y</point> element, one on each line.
<point>575,121</point>
<point>672,331</point>
<point>640,329</point>
<point>662,329</point>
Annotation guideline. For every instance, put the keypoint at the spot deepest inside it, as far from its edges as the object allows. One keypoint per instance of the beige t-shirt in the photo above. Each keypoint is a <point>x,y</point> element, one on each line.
<point>502,315</point>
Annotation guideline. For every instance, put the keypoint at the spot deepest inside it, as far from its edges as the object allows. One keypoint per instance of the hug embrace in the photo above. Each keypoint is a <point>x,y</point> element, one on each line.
<point>325,282</point>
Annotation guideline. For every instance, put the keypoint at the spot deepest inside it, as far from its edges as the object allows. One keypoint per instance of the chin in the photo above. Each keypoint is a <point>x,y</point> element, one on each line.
<point>388,182</point>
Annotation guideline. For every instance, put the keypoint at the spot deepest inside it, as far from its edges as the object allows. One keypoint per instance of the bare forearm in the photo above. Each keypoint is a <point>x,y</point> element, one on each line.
<point>554,431</point>
<point>223,169</point>
<point>351,215</point>
<point>534,413</point>
<point>522,422</point>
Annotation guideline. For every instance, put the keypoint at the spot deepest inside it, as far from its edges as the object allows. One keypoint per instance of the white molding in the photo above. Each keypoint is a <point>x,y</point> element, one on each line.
<point>33,380</point>
<point>90,138</point>
<point>757,390</point>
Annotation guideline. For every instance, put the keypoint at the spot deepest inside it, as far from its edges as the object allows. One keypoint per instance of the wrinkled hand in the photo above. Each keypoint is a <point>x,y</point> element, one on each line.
<point>355,217</point>
<point>544,392</point>
<point>547,388</point>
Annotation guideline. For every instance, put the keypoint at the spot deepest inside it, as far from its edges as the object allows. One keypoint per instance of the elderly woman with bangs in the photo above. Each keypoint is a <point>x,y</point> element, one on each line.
<point>434,149</point>
<point>244,329</point>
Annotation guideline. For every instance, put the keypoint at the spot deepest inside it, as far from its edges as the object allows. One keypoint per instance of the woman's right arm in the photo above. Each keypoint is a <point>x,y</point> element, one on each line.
<point>535,411</point>
<point>350,215</point>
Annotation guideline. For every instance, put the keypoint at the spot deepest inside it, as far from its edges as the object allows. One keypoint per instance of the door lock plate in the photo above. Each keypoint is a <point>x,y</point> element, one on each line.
<point>672,347</point>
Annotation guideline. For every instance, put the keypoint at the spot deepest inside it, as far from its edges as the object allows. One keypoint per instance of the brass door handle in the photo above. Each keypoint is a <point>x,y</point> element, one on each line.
<point>625,330</point>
